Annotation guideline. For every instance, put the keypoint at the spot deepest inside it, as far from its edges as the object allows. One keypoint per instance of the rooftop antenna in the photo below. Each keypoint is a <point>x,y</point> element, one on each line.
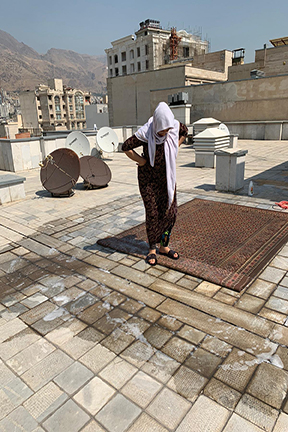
<point>106,142</point>
<point>59,172</point>
<point>95,172</point>
<point>78,142</point>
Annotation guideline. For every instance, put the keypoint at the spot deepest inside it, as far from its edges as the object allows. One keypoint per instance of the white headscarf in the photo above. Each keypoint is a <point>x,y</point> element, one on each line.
<point>162,119</point>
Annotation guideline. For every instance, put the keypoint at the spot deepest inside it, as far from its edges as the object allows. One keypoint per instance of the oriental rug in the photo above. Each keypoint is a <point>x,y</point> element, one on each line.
<point>226,244</point>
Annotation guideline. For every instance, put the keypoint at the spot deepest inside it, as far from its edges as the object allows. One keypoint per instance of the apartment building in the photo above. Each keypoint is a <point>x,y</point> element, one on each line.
<point>152,47</point>
<point>54,107</point>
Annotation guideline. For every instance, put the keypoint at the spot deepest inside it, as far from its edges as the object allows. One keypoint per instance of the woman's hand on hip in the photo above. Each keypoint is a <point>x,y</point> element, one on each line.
<point>141,162</point>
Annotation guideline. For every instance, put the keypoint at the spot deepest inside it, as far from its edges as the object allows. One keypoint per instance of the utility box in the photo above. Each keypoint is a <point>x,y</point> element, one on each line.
<point>230,168</point>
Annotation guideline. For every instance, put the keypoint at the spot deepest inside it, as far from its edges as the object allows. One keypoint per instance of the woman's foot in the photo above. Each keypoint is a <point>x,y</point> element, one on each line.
<point>151,257</point>
<point>168,252</point>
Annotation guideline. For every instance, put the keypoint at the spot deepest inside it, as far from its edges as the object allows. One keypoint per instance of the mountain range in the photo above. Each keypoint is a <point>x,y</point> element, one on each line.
<point>22,68</point>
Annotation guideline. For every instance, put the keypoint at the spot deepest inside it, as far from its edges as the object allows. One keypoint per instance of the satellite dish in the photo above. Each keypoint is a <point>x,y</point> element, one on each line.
<point>60,171</point>
<point>95,172</point>
<point>107,140</point>
<point>78,142</point>
<point>224,128</point>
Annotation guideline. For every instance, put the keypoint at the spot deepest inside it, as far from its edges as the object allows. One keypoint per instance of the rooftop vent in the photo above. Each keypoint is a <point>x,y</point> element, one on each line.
<point>150,23</point>
<point>255,73</point>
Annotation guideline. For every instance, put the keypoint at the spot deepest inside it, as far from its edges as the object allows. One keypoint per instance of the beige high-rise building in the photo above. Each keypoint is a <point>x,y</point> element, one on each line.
<point>150,48</point>
<point>54,107</point>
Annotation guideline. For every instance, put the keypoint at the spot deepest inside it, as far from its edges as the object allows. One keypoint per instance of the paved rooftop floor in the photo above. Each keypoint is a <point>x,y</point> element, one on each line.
<point>93,340</point>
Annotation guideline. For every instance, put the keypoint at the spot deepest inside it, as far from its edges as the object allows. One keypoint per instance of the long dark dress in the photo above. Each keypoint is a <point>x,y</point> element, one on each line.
<point>153,189</point>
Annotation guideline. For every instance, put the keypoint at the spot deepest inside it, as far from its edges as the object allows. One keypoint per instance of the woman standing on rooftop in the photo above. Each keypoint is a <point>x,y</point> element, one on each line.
<point>160,137</point>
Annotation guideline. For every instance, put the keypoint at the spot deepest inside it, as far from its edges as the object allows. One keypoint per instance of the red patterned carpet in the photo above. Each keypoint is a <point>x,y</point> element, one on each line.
<point>226,244</point>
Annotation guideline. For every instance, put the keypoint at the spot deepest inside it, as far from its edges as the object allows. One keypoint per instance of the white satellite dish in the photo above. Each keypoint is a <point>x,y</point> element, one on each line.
<point>224,128</point>
<point>107,140</point>
<point>79,143</point>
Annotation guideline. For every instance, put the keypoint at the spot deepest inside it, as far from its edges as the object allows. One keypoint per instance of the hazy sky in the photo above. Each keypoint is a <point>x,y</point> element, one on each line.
<point>88,26</point>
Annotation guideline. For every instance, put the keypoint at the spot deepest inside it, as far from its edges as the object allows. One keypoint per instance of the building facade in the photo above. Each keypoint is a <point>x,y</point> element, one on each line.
<point>53,107</point>
<point>270,61</point>
<point>135,89</point>
<point>150,48</point>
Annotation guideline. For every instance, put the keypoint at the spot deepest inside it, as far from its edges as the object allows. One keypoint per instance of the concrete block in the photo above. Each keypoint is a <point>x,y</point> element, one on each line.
<point>181,113</point>
<point>230,167</point>
<point>17,156</point>
<point>4,195</point>
<point>26,156</point>
<point>285,131</point>
<point>204,159</point>
<point>17,192</point>
<point>233,141</point>
<point>273,131</point>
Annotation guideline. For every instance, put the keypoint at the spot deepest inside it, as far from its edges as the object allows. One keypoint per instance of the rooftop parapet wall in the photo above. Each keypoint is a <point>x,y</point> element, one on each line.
<point>263,99</point>
<point>24,154</point>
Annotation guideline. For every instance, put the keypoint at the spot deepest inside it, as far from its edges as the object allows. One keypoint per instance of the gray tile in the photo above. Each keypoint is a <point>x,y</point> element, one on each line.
<point>187,383</point>
<point>269,384</point>
<point>141,389</point>
<point>44,402</point>
<point>74,377</point>
<point>67,418</point>
<point>168,408</point>
<point>94,395</point>
<point>257,412</point>
<point>238,424</point>
<point>222,394</point>
<point>205,415</point>
<point>46,370</point>
<point>17,391</point>
<point>18,421</point>
<point>118,414</point>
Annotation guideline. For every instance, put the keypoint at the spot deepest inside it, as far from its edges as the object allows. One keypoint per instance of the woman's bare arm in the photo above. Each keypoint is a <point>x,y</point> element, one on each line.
<point>181,140</point>
<point>136,157</point>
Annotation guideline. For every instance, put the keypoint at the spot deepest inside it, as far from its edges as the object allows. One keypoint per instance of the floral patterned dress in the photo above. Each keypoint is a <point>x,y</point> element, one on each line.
<point>153,189</point>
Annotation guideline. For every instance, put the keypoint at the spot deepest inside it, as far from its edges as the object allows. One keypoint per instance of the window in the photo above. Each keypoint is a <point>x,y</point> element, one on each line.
<point>132,68</point>
<point>146,49</point>
<point>39,108</point>
<point>70,98</point>
<point>185,51</point>
<point>138,52</point>
<point>79,105</point>
<point>57,103</point>
<point>38,98</point>
<point>131,54</point>
<point>147,64</point>
<point>40,116</point>
<point>58,116</point>
<point>70,108</point>
<point>50,97</point>
<point>123,56</point>
<point>110,60</point>
<point>51,116</point>
<point>124,70</point>
<point>139,66</point>
<point>115,58</point>
<point>72,116</point>
<point>111,72</point>
<point>145,33</point>
<point>116,71</point>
